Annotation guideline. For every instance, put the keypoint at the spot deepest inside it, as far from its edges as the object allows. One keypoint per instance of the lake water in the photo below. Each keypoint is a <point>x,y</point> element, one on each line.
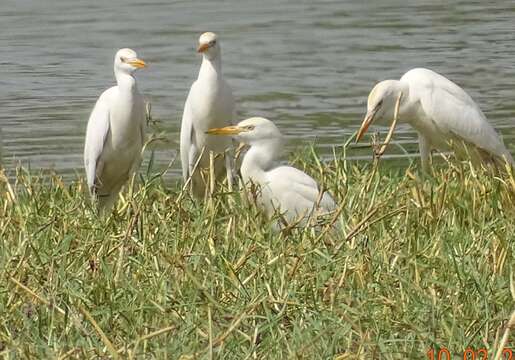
<point>308,65</point>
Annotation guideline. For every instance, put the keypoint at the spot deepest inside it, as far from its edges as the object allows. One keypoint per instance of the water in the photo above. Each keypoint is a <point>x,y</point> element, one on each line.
<point>306,65</point>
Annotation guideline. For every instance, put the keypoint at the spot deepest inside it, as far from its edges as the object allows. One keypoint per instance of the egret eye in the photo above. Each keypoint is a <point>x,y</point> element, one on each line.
<point>123,59</point>
<point>212,43</point>
<point>249,127</point>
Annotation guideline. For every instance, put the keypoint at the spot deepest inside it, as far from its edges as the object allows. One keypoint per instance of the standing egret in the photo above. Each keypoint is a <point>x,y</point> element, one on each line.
<point>209,104</point>
<point>283,188</point>
<point>444,115</point>
<point>115,132</point>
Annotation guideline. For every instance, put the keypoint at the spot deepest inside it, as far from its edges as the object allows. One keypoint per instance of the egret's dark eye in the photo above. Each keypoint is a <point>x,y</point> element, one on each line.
<point>212,43</point>
<point>249,127</point>
<point>379,104</point>
<point>123,59</point>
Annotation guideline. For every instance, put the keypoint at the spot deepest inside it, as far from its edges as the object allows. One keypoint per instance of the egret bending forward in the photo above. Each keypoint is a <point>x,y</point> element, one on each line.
<point>283,188</point>
<point>115,133</point>
<point>209,104</point>
<point>444,115</point>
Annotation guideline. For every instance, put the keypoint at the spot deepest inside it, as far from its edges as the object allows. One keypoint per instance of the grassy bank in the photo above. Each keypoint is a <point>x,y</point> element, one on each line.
<point>419,262</point>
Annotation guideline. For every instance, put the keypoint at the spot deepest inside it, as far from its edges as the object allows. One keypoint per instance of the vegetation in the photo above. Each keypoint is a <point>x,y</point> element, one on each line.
<point>419,262</point>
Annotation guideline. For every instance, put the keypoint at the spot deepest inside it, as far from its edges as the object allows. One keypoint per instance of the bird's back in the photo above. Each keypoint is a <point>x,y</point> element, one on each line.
<point>452,113</point>
<point>295,192</point>
<point>428,80</point>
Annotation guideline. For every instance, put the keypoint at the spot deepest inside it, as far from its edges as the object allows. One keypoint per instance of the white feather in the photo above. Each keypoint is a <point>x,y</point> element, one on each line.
<point>444,115</point>
<point>115,134</point>
<point>454,112</point>
<point>292,192</point>
<point>209,104</point>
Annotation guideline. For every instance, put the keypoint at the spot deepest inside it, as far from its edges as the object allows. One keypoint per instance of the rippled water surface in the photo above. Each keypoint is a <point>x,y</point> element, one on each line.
<point>308,65</point>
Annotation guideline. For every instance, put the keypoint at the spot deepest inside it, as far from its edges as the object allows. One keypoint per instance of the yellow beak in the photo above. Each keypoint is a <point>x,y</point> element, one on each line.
<point>369,118</point>
<point>202,47</point>
<point>228,130</point>
<point>137,63</point>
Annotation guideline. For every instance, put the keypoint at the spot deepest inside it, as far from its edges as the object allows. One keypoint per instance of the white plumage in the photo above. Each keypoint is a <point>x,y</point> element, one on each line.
<point>444,115</point>
<point>280,188</point>
<point>115,133</point>
<point>209,104</point>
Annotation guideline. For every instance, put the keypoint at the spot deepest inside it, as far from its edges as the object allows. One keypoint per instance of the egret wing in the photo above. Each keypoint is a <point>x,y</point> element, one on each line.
<point>297,191</point>
<point>96,135</point>
<point>454,112</point>
<point>187,140</point>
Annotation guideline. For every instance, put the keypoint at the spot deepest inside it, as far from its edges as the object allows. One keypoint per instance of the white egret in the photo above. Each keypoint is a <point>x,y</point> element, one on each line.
<point>115,132</point>
<point>283,188</point>
<point>209,104</point>
<point>444,115</point>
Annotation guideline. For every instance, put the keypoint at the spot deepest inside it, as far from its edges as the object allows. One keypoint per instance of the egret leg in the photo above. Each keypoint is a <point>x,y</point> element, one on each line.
<point>425,152</point>
<point>229,167</point>
<point>197,182</point>
<point>134,167</point>
<point>105,203</point>
<point>508,158</point>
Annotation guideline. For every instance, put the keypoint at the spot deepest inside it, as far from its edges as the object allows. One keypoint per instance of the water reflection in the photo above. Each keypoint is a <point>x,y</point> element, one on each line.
<point>308,66</point>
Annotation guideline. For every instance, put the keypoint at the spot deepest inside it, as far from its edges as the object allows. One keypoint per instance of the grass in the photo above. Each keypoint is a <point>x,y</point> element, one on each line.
<point>420,262</point>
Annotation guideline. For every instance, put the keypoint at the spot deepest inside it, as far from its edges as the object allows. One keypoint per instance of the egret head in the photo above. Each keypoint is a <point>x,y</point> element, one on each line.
<point>381,105</point>
<point>127,61</point>
<point>208,45</point>
<point>251,131</point>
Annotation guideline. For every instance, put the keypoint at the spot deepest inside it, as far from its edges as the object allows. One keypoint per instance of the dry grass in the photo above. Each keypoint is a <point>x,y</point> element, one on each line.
<point>419,262</point>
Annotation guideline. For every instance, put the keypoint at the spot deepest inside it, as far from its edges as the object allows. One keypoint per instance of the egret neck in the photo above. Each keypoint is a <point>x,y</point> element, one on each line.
<point>211,69</point>
<point>122,127</point>
<point>126,83</point>
<point>259,159</point>
<point>409,106</point>
<point>406,104</point>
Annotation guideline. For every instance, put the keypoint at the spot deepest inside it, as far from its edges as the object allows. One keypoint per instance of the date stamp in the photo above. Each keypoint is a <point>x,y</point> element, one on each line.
<point>468,354</point>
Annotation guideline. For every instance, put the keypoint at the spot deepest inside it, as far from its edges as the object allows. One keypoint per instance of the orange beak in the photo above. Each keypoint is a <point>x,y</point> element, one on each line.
<point>137,63</point>
<point>202,47</point>
<point>228,130</point>
<point>369,118</point>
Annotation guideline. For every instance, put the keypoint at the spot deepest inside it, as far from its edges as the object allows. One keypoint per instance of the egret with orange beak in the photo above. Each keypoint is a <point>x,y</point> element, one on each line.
<point>209,104</point>
<point>286,189</point>
<point>115,132</point>
<point>444,115</point>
